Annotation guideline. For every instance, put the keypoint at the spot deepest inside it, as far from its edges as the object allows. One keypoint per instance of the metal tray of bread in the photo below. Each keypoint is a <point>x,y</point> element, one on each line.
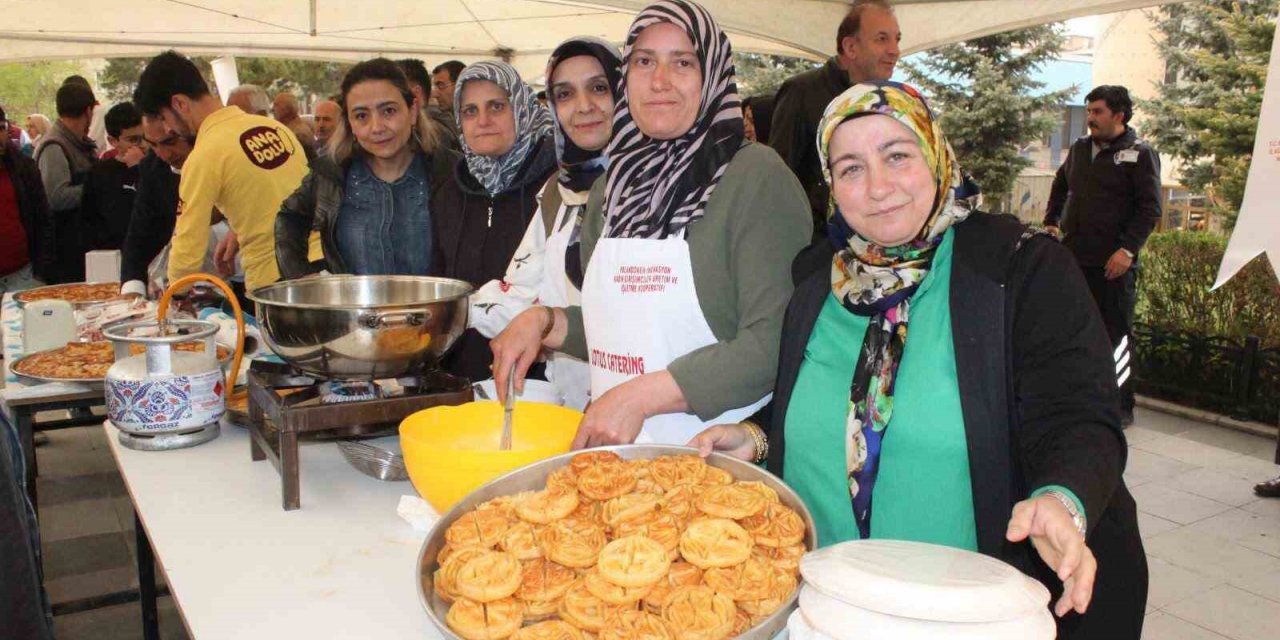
<point>534,476</point>
<point>25,296</point>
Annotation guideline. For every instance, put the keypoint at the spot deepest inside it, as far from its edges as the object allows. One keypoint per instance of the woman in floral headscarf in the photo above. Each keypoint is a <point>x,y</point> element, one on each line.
<point>957,358</point>
<point>508,152</point>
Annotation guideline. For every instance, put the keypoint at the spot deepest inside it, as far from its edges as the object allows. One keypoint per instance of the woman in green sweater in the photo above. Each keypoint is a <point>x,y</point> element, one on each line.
<point>944,377</point>
<point>687,242</point>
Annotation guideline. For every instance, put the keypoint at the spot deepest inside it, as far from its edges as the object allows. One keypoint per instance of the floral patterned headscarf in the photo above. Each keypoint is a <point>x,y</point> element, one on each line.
<point>875,281</point>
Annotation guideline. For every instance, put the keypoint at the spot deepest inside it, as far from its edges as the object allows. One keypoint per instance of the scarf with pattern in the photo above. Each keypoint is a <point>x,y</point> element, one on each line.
<point>533,123</point>
<point>656,188</point>
<point>579,168</point>
<point>875,281</point>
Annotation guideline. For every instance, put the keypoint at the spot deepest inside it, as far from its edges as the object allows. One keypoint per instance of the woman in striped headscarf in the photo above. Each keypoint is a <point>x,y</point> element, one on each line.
<point>944,378</point>
<point>687,243</point>
<point>508,152</point>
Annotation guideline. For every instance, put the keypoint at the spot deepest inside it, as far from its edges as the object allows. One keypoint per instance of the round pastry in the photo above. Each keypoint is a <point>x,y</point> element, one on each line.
<point>681,574</point>
<point>590,458</point>
<point>490,576</point>
<point>611,593</point>
<point>539,610</point>
<point>562,479</point>
<point>699,613</point>
<point>715,542</point>
<point>633,561</point>
<point>591,511</point>
<point>543,581</point>
<point>660,527</point>
<point>521,541</point>
<point>629,507</point>
<point>786,558</point>
<point>742,623</point>
<point>751,580</point>
<point>582,609</point>
<point>572,543</point>
<point>485,621</point>
<point>477,529</point>
<point>679,503</point>
<point>635,625</point>
<point>503,504</point>
<point>729,501</point>
<point>776,526</point>
<point>672,471</point>
<point>541,507</point>
<point>549,630</point>
<point>445,581</point>
<point>784,584</point>
<point>716,476</point>
<point>761,488</point>
<point>443,554</point>
<point>605,481</point>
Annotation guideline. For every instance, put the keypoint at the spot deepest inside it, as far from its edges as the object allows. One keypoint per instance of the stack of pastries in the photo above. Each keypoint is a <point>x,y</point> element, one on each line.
<point>611,549</point>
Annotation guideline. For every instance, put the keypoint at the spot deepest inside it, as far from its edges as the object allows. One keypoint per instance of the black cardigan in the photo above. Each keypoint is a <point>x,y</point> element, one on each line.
<point>1039,398</point>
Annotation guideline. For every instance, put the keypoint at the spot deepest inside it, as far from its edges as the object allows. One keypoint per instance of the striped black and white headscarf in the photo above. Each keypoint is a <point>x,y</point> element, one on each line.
<point>533,123</point>
<point>655,188</point>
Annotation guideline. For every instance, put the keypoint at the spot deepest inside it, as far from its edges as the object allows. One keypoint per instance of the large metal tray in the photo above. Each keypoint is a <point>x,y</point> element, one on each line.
<point>534,476</point>
<point>29,379</point>
<point>75,305</point>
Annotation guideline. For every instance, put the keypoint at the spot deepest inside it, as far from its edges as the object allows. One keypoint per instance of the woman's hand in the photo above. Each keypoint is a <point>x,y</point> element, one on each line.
<point>617,416</point>
<point>730,439</point>
<point>519,344</point>
<point>1060,545</point>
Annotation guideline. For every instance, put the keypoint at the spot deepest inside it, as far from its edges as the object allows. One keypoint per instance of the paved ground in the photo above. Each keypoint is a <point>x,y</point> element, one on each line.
<point>1213,548</point>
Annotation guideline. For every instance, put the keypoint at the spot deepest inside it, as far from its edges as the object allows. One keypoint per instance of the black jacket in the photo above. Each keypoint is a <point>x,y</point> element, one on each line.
<point>797,110</point>
<point>107,204</point>
<point>1039,398</point>
<point>476,235</point>
<point>1108,202</point>
<point>316,203</point>
<point>33,210</point>
<point>151,222</point>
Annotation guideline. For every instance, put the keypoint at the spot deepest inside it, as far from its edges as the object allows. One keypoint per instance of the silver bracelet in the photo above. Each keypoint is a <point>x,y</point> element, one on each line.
<point>1077,518</point>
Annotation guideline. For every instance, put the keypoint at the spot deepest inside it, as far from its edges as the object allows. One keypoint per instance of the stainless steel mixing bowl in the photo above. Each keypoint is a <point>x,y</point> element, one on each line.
<point>362,327</point>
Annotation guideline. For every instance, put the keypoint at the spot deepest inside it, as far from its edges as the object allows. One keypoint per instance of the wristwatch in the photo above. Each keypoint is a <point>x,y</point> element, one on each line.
<point>1077,518</point>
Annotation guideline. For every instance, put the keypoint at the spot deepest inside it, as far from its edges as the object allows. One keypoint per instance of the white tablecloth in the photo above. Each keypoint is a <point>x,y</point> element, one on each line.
<point>11,331</point>
<point>240,567</point>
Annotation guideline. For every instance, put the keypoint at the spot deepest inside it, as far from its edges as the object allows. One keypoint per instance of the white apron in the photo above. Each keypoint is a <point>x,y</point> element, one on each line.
<point>570,375</point>
<point>640,311</point>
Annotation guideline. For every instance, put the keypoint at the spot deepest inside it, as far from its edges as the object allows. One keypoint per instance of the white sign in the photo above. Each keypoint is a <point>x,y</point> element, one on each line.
<point>1258,227</point>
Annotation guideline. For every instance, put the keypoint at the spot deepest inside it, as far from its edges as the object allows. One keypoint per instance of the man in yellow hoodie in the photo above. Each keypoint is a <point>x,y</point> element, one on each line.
<point>243,164</point>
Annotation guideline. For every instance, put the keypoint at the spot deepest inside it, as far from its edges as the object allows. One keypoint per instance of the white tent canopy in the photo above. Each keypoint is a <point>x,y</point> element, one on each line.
<point>521,31</point>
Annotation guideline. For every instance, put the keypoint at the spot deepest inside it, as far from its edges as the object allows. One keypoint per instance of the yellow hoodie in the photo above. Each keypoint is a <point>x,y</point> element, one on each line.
<point>245,165</point>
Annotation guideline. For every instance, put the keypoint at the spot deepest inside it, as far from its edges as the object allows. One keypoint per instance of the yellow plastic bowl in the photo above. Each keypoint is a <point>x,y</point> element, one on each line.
<point>452,451</point>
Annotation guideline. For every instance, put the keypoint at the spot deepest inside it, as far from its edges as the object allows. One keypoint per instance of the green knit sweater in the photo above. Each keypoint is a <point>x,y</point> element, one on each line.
<point>756,221</point>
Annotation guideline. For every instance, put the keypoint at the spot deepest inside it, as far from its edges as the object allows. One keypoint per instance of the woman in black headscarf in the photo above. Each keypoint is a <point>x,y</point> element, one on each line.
<point>688,243</point>
<point>757,115</point>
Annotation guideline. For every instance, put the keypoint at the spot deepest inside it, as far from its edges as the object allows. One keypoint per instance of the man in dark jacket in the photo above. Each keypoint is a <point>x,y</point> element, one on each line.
<point>155,207</point>
<point>867,45</point>
<point>1106,200</point>
<point>420,85</point>
<point>26,228</point>
<point>64,156</point>
<point>112,183</point>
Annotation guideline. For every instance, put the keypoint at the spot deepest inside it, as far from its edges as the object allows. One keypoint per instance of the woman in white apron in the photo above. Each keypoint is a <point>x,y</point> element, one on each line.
<point>688,244</point>
<point>546,269</point>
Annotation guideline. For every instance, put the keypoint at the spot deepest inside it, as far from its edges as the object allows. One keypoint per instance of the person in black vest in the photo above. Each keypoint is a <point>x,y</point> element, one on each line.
<point>64,156</point>
<point>1105,201</point>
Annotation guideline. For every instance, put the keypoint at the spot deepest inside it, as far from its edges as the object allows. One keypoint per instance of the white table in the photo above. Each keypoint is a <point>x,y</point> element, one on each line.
<point>240,567</point>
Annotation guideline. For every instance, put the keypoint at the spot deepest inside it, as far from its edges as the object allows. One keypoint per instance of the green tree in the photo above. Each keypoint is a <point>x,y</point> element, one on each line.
<point>1206,113</point>
<point>762,74</point>
<point>31,87</point>
<point>989,102</point>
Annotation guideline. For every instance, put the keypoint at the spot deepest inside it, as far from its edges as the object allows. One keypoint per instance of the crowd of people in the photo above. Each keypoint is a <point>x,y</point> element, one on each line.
<point>687,264</point>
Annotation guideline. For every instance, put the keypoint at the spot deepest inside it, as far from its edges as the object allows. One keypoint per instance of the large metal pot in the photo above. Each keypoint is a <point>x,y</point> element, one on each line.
<point>362,327</point>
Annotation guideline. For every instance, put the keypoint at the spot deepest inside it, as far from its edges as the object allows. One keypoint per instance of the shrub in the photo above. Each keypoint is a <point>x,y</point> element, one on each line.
<point>1178,268</point>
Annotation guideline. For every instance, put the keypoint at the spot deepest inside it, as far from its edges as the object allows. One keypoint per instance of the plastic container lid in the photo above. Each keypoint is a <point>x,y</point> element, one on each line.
<point>922,581</point>
<point>825,618</point>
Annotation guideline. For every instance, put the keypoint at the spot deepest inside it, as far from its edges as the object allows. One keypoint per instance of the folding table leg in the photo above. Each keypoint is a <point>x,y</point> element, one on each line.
<point>146,582</point>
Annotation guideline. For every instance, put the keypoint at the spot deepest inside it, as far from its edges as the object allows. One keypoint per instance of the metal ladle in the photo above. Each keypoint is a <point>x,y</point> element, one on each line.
<point>508,407</point>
